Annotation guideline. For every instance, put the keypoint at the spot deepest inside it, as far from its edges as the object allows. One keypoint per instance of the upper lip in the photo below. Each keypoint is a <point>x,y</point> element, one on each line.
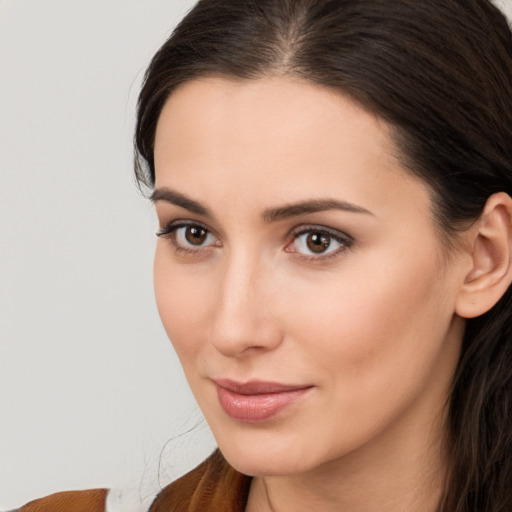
<point>257,387</point>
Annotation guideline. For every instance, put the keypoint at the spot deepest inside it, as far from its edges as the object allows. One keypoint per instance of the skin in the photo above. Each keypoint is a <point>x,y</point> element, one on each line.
<point>371,325</point>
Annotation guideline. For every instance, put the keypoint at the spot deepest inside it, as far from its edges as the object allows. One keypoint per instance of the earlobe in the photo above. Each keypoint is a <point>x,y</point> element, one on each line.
<point>491,256</point>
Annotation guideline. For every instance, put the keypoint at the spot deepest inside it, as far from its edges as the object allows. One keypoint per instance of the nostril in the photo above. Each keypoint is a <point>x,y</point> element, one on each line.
<point>243,337</point>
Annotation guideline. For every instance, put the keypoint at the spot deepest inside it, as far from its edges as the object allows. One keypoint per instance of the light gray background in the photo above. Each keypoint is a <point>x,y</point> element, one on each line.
<point>90,389</point>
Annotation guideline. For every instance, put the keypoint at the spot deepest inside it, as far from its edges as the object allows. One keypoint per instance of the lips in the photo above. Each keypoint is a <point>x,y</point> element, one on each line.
<point>256,401</point>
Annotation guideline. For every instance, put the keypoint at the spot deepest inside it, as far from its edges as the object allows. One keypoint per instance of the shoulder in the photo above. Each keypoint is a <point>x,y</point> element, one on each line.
<point>92,500</point>
<point>214,486</point>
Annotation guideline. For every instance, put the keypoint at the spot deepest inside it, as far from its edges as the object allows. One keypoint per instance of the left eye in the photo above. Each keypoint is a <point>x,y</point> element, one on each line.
<point>188,236</point>
<point>317,243</point>
<point>193,236</point>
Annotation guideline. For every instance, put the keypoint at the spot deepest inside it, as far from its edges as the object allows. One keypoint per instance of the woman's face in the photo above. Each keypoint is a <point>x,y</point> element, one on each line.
<point>300,276</point>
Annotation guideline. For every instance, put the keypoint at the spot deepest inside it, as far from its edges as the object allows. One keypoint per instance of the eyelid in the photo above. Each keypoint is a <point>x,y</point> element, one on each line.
<point>169,227</point>
<point>338,235</point>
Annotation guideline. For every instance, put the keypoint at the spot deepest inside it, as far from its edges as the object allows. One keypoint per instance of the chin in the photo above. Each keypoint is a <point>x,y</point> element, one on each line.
<point>259,458</point>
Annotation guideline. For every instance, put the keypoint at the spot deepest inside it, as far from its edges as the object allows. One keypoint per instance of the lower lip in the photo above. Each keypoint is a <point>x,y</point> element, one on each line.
<point>258,407</point>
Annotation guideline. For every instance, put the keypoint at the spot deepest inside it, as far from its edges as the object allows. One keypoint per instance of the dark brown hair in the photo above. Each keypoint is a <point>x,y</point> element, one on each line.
<point>440,73</point>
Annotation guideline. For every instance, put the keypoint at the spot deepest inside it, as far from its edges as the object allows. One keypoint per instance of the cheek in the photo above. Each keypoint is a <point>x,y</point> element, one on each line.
<point>183,303</point>
<point>378,318</point>
<point>376,345</point>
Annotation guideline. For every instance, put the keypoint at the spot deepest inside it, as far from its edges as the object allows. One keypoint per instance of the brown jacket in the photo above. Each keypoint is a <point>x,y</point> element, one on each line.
<point>214,486</point>
<point>70,501</point>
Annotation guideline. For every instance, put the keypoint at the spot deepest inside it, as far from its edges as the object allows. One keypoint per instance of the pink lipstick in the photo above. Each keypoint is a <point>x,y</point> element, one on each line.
<point>256,401</point>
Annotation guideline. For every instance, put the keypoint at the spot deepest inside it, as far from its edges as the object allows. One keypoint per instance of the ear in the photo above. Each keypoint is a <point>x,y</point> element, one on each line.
<point>491,257</point>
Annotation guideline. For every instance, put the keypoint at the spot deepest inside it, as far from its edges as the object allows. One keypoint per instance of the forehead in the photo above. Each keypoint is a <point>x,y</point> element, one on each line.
<point>277,138</point>
<point>287,108</point>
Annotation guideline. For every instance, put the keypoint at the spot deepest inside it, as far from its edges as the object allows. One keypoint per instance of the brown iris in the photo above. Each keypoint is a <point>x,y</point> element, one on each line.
<point>318,242</point>
<point>195,235</point>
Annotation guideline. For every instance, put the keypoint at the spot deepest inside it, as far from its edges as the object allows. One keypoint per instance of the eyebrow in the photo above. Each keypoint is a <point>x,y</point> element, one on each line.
<point>269,215</point>
<point>177,198</point>
<point>311,206</point>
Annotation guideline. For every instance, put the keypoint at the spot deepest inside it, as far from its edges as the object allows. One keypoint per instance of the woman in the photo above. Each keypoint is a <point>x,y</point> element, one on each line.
<point>332,181</point>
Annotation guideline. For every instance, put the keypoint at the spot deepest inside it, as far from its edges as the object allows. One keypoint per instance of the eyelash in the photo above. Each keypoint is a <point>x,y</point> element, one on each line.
<point>345,241</point>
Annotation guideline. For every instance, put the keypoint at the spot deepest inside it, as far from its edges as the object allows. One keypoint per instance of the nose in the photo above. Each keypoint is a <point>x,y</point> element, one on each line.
<point>244,322</point>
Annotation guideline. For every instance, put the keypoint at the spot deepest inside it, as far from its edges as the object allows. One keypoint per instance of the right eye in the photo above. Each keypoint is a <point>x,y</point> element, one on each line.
<point>188,237</point>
